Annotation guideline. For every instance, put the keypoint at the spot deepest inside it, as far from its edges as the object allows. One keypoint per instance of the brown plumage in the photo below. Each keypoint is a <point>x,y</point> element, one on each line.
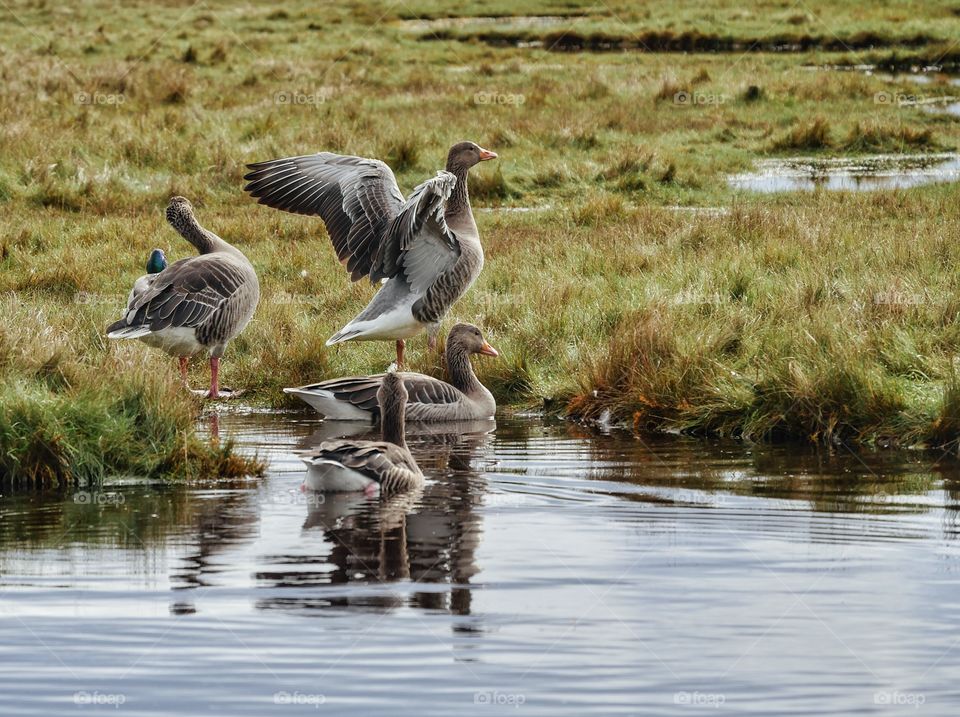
<point>427,247</point>
<point>197,303</point>
<point>429,399</point>
<point>355,465</point>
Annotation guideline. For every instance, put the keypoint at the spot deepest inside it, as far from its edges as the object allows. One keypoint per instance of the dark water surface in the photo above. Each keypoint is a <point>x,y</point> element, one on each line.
<point>542,571</point>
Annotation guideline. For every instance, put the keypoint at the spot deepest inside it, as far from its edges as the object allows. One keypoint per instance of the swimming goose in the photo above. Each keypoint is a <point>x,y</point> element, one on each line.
<point>201,302</point>
<point>369,466</point>
<point>429,399</point>
<point>427,248</point>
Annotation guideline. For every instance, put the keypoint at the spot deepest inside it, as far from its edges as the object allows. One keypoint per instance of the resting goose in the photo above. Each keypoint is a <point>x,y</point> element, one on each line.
<point>427,248</point>
<point>355,465</point>
<point>198,303</point>
<point>429,399</point>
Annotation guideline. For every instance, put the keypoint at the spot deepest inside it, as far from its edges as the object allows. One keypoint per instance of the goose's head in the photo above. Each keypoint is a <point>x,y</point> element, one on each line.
<point>468,338</point>
<point>157,262</point>
<point>464,155</point>
<point>179,211</point>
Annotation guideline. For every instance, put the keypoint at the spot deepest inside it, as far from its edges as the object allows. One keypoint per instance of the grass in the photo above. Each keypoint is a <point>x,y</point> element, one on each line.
<point>64,422</point>
<point>863,137</point>
<point>819,316</point>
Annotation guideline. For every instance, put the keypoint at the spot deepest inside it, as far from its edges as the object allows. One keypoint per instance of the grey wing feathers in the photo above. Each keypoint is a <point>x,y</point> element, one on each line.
<point>418,241</point>
<point>389,465</point>
<point>361,391</point>
<point>357,198</point>
<point>186,293</point>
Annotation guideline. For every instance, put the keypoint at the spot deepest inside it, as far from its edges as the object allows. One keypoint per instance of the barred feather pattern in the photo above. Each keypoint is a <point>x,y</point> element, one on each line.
<point>214,294</point>
<point>451,284</point>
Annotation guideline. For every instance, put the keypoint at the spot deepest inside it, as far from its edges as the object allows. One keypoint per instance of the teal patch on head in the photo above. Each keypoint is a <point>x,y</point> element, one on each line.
<point>157,262</point>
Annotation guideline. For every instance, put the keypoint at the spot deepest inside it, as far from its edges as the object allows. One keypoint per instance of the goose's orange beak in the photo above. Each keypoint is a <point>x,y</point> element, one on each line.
<point>486,154</point>
<point>488,350</point>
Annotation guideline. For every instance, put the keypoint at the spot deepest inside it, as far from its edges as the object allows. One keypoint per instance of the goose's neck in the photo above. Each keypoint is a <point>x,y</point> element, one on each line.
<point>458,213</point>
<point>205,241</point>
<point>460,370</point>
<point>392,425</point>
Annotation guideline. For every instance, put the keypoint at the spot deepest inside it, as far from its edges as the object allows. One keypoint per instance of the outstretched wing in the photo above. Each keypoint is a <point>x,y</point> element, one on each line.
<point>184,294</point>
<point>418,242</point>
<point>357,199</point>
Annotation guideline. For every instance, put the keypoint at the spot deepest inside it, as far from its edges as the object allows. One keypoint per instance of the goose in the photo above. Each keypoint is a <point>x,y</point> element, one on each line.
<point>426,250</point>
<point>197,303</point>
<point>386,466</point>
<point>429,399</point>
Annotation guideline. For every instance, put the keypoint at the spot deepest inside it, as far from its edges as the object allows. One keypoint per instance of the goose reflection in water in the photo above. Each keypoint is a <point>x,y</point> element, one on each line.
<point>367,548</point>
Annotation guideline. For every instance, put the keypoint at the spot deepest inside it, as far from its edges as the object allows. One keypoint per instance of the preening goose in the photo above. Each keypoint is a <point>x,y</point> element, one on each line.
<point>369,466</point>
<point>198,303</point>
<point>428,398</point>
<point>427,247</point>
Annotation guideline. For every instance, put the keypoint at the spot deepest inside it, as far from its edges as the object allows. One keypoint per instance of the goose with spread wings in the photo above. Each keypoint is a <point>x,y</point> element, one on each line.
<point>426,249</point>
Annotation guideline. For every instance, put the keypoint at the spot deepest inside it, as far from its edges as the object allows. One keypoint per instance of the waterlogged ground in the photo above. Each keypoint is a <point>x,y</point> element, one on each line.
<point>542,571</point>
<point>863,174</point>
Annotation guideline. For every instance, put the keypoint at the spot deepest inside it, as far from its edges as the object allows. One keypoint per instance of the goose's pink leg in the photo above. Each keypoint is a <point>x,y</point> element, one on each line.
<point>401,345</point>
<point>214,378</point>
<point>183,369</point>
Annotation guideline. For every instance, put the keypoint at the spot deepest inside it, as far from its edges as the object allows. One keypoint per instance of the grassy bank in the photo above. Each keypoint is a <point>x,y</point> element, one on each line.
<point>68,417</point>
<point>813,316</point>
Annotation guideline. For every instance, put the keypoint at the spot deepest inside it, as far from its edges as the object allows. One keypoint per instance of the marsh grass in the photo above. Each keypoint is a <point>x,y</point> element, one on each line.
<point>66,420</point>
<point>821,317</point>
<point>807,135</point>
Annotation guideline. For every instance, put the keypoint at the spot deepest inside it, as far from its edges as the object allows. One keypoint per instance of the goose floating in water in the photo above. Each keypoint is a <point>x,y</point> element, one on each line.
<point>197,303</point>
<point>427,248</point>
<point>429,399</point>
<point>370,466</point>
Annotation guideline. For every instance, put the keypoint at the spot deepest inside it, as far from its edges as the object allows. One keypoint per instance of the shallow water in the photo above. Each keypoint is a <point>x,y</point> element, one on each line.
<point>499,21</point>
<point>919,75</point>
<point>543,570</point>
<point>858,174</point>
